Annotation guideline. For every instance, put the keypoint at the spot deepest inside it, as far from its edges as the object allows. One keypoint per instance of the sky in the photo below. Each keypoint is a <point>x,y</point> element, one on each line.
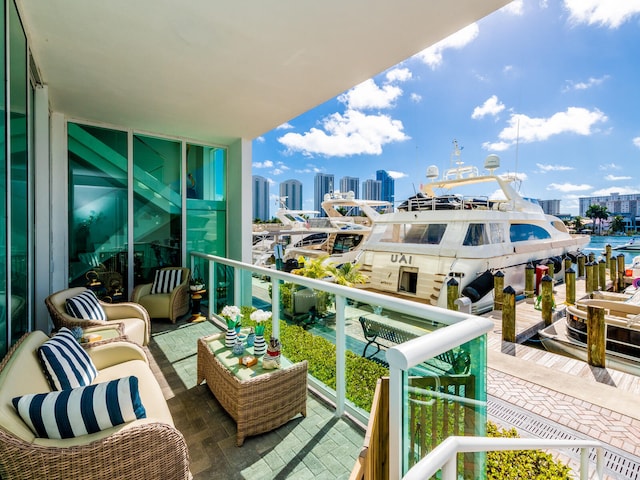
<point>550,86</point>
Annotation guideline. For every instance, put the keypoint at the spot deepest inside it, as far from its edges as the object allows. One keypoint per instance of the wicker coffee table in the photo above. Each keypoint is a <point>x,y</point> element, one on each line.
<point>258,400</point>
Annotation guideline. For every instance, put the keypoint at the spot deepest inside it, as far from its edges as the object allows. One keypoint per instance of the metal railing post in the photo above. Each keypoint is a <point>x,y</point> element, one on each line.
<point>395,423</point>
<point>341,349</point>
<point>275,306</point>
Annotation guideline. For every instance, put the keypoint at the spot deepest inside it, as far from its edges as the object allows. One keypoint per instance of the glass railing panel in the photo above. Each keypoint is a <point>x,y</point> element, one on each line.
<point>446,396</point>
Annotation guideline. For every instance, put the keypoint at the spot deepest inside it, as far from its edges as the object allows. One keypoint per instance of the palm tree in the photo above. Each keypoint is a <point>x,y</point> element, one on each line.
<point>617,224</point>
<point>597,213</point>
<point>578,224</point>
<point>349,274</point>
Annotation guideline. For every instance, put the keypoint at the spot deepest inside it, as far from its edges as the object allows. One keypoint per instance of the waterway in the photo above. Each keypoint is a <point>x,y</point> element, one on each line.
<point>598,244</point>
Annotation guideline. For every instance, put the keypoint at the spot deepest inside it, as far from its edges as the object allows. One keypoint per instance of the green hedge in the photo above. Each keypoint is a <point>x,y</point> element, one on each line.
<point>522,464</point>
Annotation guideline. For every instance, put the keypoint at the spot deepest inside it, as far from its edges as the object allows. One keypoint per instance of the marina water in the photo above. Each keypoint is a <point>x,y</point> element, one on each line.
<point>599,243</point>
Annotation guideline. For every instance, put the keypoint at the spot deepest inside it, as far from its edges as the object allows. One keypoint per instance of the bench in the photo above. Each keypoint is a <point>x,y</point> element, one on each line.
<point>384,336</point>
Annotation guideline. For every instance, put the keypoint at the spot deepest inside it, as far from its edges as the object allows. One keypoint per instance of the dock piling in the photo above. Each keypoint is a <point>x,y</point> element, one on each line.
<point>621,272</point>
<point>595,336</point>
<point>613,273</point>
<point>602,274</point>
<point>570,281</point>
<point>509,315</point>
<point>498,287</point>
<point>581,261</point>
<point>529,278</point>
<point>452,294</point>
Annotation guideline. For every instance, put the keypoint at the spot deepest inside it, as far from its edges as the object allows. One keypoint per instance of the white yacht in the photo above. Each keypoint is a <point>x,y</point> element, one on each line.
<point>350,221</point>
<point>440,234</point>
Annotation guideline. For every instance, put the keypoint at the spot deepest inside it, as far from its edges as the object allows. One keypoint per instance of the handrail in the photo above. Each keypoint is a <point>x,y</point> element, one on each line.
<point>407,307</point>
<point>443,457</point>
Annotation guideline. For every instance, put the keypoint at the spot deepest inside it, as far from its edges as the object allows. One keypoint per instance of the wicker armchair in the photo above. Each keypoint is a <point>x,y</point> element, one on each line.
<point>165,305</point>
<point>133,318</point>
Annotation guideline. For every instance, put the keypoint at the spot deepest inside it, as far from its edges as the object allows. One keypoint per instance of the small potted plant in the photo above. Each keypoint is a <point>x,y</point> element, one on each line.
<point>196,284</point>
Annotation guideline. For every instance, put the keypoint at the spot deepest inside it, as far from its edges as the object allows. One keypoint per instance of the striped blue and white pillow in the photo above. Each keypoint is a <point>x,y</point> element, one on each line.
<point>86,306</point>
<point>66,364</point>
<point>83,410</point>
<point>166,280</point>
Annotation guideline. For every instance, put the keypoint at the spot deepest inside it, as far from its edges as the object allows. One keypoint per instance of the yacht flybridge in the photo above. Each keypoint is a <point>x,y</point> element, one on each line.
<point>440,234</point>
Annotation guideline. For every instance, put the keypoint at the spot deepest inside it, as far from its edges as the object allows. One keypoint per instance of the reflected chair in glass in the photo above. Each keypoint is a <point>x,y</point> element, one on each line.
<point>133,317</point>
<point>171,305</point>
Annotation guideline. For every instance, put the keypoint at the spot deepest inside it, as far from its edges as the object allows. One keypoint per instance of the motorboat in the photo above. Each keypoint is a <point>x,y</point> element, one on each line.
<point>568,336</point>
<point>441,234</point>
<point>338,237</point>
<point>350,222</point>
<point>631,245</point>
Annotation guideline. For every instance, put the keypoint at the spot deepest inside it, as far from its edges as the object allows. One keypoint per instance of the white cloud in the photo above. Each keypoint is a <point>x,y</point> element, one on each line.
<point>615,178</point>
<point>492,106</point>
<point>368,95</point>
<point>621,190</point>
<point>284,126</point>
<point>514,8</point>
<point>606,13</point>
<point>528,129</point>
<point>569,187</point>
<point>432,56</point>
<point>398,75</point>
<point>496,146</point>
<point>265,164</point>
<point>260,139</point>
<point>591,82</point>
<point>396,175</point>
<point>553,168</point>
<point>609,166</point>
<point>353,133</point>
<point>309,169</point>
<point>417,98</point>
<point>636,142</point>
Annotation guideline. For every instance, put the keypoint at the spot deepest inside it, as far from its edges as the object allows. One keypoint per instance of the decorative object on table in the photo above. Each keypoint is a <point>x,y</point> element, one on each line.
<point>248,360</point>
<point>272,358</point>
<point>196,284</point>
<point>238,347</point>
<point>251,337</point>
<point>232,315</point>
<point>238,324</point>
<point>259,345</point>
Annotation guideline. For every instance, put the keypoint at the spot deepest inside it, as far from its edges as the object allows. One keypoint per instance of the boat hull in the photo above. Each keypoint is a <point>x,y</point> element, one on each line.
<point>567,337</point>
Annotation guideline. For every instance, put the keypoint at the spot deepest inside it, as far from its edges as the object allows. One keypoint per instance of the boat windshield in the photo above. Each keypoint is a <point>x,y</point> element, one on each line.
<point>423,233</point>
<point>481,234</point>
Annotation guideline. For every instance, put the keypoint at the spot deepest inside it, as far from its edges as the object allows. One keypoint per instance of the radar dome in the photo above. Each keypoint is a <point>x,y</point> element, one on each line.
<point>492,162</point>
<point>432,172</point>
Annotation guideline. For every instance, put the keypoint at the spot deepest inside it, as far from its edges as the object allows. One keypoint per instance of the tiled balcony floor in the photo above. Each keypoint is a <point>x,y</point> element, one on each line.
<point>319,446</point>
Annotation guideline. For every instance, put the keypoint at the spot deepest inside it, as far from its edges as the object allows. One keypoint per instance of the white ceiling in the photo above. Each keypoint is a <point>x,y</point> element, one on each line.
<point>217,70</point>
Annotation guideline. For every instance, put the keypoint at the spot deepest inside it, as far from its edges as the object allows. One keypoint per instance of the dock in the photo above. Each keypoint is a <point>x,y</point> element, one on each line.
<point>545,395</point>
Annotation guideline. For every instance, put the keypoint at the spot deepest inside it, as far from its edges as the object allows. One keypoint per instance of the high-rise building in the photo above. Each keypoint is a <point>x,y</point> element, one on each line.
<point>292,190</point>
<point>323,184</point>
<point>371,189</point>
<point>550,207</point>
<point>387,186</point>
<point>627,206</point>
<point>350,184</point>
<point>260,198</point>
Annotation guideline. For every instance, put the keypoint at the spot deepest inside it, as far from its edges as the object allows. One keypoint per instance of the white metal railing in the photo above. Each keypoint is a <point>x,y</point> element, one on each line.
<point>443,458</point>
<point>407,307</point>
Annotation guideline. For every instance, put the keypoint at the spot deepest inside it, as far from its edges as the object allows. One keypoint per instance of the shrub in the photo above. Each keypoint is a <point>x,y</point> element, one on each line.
<point>522,464</point>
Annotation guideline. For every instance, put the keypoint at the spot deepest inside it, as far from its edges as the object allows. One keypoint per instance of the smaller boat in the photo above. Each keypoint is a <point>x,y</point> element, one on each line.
<point>632,245</point>
<point>568,336</point>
